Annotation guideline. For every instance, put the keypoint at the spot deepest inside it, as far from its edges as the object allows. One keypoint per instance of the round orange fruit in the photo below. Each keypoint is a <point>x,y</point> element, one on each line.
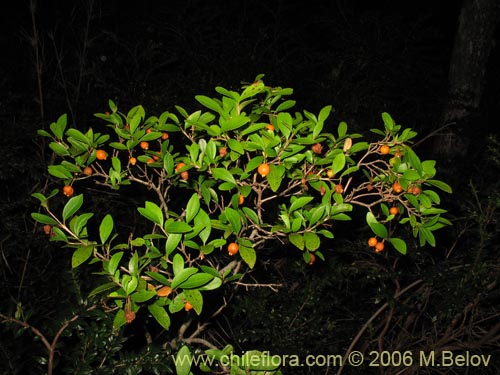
<point>68,191</point>
<point>87,171</point>
<point>101,155</point>
<point>384,149</point>
<point>379,247</point>
<point>264,169</point>
<point>187,306</point>
<point>144,145</point>
<point>372,242</point>
<point>233,248</point>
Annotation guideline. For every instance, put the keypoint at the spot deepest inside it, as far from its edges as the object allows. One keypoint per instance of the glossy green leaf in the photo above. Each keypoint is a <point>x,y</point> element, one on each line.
<point>114,262</point>
<point>376,227</point>
<point>72,206</point>
<point>275,176</point>
<point>234,218</point>
<point>106,228</point>
<point>182,276</point>
<point>299,203</point>
<point>195,299</point>
<point>152,212</point>
<point>223,174</point>
<point>60,172</point>
<point>192,207</point>
<point>43,219</point>
<point>177,227</point>
<point>248,255</point>
<point>81,255</point>
<point>160,314</point>
<point>183,361</point>
<point>297,240</point>
<point>311,241</point>
<point>196,281</point>
<point>399,244</point>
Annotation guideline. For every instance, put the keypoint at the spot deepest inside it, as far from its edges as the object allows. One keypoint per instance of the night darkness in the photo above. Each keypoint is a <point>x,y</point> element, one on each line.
<point>362,57</point>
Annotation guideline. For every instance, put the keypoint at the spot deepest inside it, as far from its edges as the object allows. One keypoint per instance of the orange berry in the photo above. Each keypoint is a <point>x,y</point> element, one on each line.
<point>384,149</point>
<point>241,199</point>
<point>144,145</point>
<point>379,247</point>
<point>222,151</point>
<point>129,316</point>
<point>233,248</point>
<point>415,190</point>
<point>150,161</point>
<point>330,173</point>
<point>264,169</point>
<point>87,171</point>
<point>339,189</point>
<point>322,190</point>
<point>397,187</point>
<point>185,175</point>
<point>47,229</point>
<point>68,191</point>
<point>164,291</point>
<point>132,160</point>
<point>187,306</point>
<point>179,166</point>
<point>148,130</point>
<point>317,148</point>
<point>372,242</point>
<point>164,136</point>
<point>270,127</point>
<point>393,210</point>
<point>312,259</point>
<point>101,155</point>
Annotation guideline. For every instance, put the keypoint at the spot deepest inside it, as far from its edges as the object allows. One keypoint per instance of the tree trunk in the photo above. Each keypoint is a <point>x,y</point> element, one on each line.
<point>474,41</point>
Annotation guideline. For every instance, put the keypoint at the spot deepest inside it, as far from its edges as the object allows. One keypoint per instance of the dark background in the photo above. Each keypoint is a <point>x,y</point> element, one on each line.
<point>362,57</point>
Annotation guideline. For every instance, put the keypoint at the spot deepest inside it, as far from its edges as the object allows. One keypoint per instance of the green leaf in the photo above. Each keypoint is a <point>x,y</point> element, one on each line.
<point>59,126</point>
<point>102,288</point>
<point>119,319</point>
<point>297,240</point>
<point>342,129</point>
<point>376,227</point>
<point>196,281</point>
<point>114,262</point>
<point>440,185</point>
<point>182,276</point>
<point>60,172</point>
<point>81,255</point>
<point>106,228</point>
<point>248,255</point>
<point>72,206</point>
<point>183,361</point>
<point>152,212</point>
<point>160,314</point>
<point>172,242</point>
<point>79,136</point>
<point>235,146</point>
<point>142,295</point>
<point>399,244</point>
<point>43,219</point>
<point>195,299</point>
<point>59,148</point>
<point>172,226</point>
<point>234,218</point>
<point>338,163</point>
<point>299,203</point>
<point>192,207</point>
<point>223,174</point>
<point>388,121</point>
<point>275,176</point>
<point>177,264</point>
<point>414,160</point>
<point>311,241</point>
<point>209,103</point>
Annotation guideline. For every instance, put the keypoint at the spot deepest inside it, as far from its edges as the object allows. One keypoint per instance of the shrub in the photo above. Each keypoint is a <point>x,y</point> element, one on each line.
<point>222,183</point>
